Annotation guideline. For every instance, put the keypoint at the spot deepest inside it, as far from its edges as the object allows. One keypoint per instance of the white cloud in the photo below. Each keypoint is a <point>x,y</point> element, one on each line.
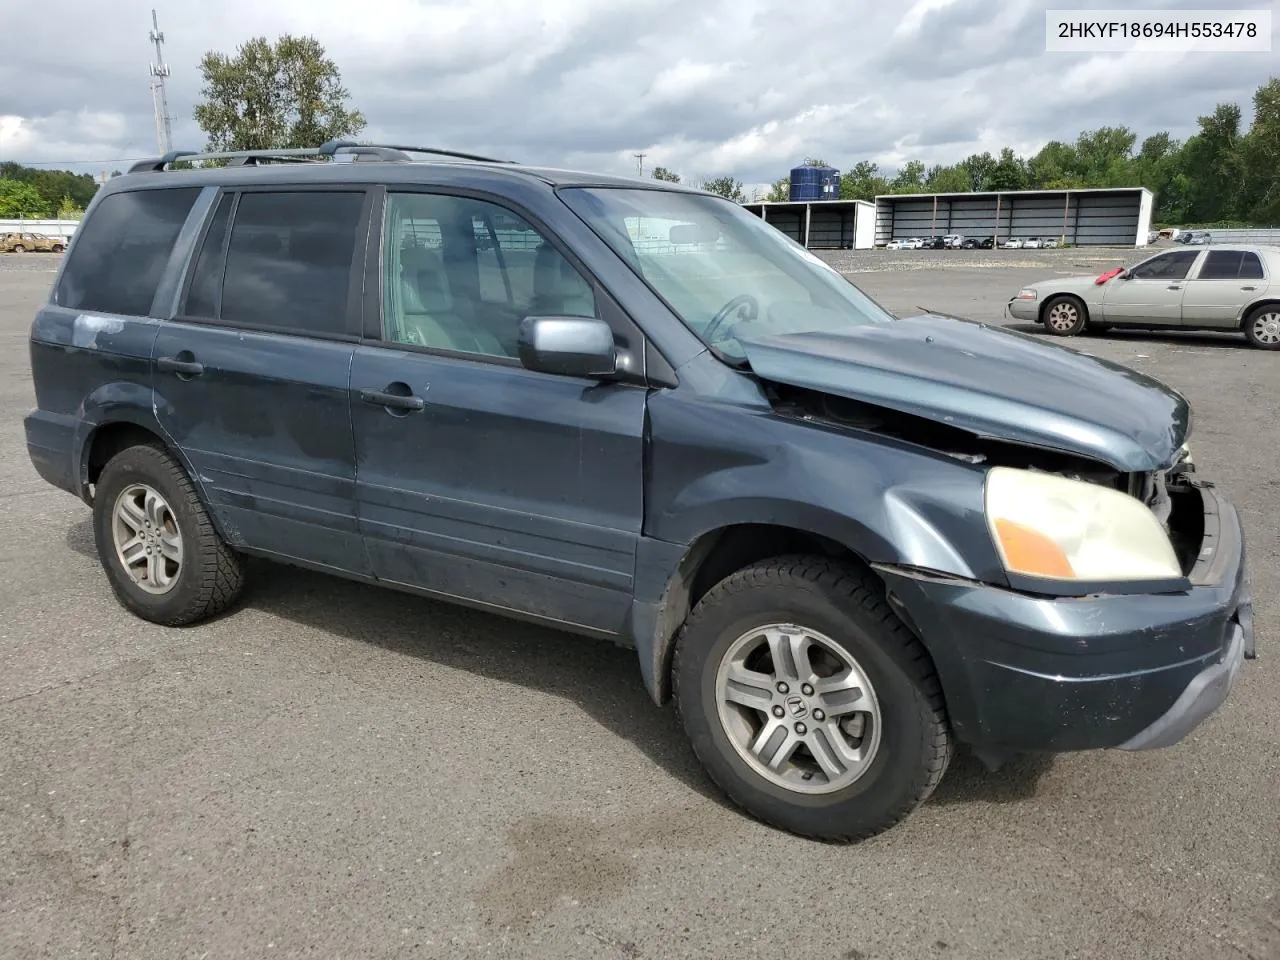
<point>914,17</point>
<point>746,87</point>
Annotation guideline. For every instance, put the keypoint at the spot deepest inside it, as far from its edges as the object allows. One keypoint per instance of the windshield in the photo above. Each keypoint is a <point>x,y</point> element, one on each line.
<point>725,272</point>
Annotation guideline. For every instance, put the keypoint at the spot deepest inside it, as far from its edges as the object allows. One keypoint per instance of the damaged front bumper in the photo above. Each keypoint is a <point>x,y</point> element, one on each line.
<point>1024,672</point>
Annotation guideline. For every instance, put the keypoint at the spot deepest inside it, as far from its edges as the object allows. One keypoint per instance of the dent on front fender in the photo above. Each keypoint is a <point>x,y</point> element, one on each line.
<point>716,467</point>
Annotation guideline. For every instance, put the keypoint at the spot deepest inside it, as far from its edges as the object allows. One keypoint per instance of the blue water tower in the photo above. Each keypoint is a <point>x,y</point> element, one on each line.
<point>814,183</point>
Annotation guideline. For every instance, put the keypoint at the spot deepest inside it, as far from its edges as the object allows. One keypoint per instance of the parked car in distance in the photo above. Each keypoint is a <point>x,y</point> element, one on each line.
<point>912,243</point>
<point>1223,287</point>
<point>976,243</point>
<point>1012,243</point>
<point>31,243</point>
<point>952,241</point>
<point>1032,243</point>
<point>1048,242</point>
<point>840,540</point>
<point>893,245</point>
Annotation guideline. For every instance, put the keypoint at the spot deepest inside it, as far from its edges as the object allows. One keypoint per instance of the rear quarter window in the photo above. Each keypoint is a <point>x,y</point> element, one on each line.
<point>121,251</point>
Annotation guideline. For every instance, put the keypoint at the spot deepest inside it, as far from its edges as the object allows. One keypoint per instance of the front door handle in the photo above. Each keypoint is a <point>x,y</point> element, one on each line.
<point>1249,288</point>
<point>395,401</point>
<point>188,368</point>
<point>1175,286</point>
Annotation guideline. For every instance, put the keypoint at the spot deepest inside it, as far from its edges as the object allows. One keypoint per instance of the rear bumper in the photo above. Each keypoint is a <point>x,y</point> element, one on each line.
<point>1030,673</point>
<point>50,445</point>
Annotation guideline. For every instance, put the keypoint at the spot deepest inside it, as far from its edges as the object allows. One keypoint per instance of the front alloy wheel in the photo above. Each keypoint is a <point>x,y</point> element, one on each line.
<point>798,708</point>
<point>808,701</point>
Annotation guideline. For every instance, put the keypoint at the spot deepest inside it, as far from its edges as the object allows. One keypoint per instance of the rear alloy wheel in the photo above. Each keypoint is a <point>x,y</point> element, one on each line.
<point>1065,316</point>
<point>1263,327</point>
<point>157,544</point>
<point>19,249</point>
<point>809,703</point>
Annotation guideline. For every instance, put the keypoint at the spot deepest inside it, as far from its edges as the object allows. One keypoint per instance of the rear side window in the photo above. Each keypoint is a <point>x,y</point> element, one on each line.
<point>288,262</point>
<point>1231,265</point>
<point>1250,267</point>
<point>122,249</point>
<point>206,283</point>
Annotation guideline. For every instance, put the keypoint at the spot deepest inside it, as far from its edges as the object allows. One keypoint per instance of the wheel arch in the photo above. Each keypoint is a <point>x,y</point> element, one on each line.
<point>1059,294</point>
<point>713,555</point>
<point>102,439</point>
<point>1254,307</point>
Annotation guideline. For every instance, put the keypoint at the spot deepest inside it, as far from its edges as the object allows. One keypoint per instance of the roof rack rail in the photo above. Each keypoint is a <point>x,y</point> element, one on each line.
<point>329,151</point>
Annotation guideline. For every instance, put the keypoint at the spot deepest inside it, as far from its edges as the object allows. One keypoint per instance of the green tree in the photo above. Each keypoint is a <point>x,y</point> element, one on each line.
<point>862,182</point>
<point>1260,155</point>
<point>1055,167</point>
<point>1211,159</point>
<point>979,166</point>
<point>1009,173</point>
<point>68,209</point>
<point>940,179</point>
<point>1103,155</point>
<point>53,185</point>
<point>662,173</point>
<point>727,187</point>
<point>1158,167</point>
<point>779,191</point>
<point>909,179</point>
<point>18,199</point>
<point>274,95</point>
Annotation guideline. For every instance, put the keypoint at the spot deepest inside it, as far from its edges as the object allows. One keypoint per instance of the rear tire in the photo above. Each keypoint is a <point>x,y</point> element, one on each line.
<point>19,249</point>
<point>1064,316</point>
<point>1262,327</point>
<point>862,741</point>
<point>157,543</point>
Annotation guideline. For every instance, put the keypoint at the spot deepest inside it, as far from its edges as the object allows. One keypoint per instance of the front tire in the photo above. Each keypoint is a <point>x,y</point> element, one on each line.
<point>809,703</point>
<point>1262,328</point>
<point>1065,316</point>
<point>157,543</point>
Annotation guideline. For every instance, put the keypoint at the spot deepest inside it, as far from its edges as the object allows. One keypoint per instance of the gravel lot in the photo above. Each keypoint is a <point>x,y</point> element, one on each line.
<point>338,771</point>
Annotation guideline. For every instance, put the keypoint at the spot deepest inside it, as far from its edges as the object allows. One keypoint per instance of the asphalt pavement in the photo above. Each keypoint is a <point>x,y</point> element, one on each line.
<point>338,771</point>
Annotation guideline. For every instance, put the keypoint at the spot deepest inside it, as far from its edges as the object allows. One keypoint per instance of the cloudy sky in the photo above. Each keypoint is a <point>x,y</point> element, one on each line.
<point>705,87</point>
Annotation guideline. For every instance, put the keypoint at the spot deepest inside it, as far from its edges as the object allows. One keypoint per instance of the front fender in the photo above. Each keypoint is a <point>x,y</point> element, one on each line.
<point>887,501</point>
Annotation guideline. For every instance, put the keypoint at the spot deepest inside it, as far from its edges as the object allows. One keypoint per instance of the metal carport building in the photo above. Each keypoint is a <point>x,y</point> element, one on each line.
<point>1109,217</point>
<point>822,224</point>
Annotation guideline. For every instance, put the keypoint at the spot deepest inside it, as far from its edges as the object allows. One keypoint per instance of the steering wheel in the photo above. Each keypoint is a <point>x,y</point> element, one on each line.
<point>744,304</point>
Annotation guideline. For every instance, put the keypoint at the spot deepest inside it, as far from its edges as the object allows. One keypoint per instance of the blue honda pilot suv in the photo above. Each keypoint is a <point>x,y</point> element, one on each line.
<point>841,540</point>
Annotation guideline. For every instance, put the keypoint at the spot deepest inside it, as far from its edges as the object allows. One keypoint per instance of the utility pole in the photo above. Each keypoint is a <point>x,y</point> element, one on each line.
<point>639,162</point>
<point>159,97</point>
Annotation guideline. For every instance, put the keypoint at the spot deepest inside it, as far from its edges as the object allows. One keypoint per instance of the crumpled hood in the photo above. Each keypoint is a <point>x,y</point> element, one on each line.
<point>991,381</point>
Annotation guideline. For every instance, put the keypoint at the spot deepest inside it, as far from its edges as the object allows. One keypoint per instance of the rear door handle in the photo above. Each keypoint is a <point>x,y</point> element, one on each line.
<point>190,368</point>
<point>1175,286</point>
<point>1248,288</point>
<point>396,401</point>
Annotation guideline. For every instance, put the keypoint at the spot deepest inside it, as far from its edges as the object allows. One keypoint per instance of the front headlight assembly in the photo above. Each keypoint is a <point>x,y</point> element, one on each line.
<point>1069,532</point>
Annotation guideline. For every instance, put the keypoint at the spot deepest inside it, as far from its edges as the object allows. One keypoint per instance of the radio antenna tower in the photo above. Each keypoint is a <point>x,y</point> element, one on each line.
<point>159,97</point>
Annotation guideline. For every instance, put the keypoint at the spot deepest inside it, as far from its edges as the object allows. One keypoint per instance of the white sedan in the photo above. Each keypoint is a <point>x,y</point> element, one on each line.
<point>1225,287</point>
